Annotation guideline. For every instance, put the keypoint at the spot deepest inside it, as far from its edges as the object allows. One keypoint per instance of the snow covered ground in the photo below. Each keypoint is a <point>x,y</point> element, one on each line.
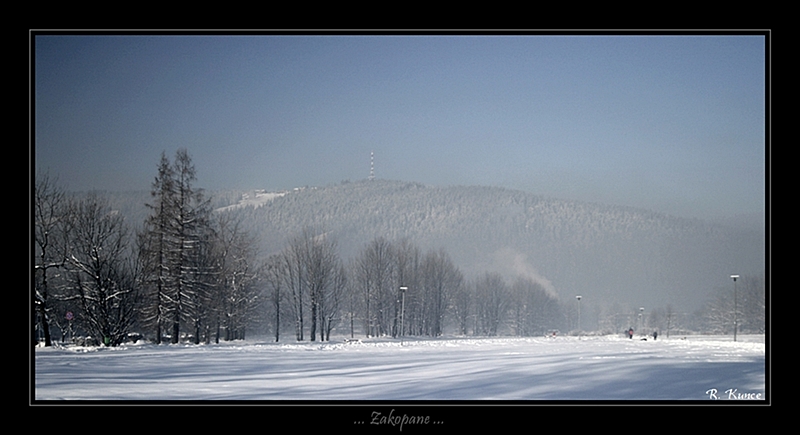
<point>450,369</point>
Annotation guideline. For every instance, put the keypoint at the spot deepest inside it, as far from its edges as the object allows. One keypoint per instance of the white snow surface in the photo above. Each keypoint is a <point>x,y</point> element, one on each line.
<point>257,199</point>
<point>447,369</point>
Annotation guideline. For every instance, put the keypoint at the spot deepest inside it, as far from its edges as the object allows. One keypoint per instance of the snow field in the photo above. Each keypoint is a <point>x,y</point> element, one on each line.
<point>448,369</point>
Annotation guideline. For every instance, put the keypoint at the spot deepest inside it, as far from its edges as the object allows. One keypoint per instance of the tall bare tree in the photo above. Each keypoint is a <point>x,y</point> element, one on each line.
<point>310,270</point>
<point>49,207</point>
<point>408,259</point>
<point>238,275</point>
<point>292,268</point>
<point>492,298</point>
<point>273,277</point>
<point>440,280</point>
<point>374,278</point>
<point>534,310</point>
<point>754,303</point>
<point>333,300</point>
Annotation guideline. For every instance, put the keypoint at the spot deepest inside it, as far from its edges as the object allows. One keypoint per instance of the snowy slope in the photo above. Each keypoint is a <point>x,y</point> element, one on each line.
<point>255,199</point>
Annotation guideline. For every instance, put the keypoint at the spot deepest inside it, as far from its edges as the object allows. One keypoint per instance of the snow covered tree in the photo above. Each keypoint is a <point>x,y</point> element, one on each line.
<point>292,270</point>
<point>103,279</point>
<point>321,269</point>
<point>463,302</point>
<point>273,278</point>
<point>238,273</point>
<point>407,274</point>
<point>353,300</point>
<point>174,248</point>
<point>493,300</point>
<point>719,312</point>
<point>535,311</point>
<point>754,304</point>
<point>332,301</point>
<point>670,317</point>
<point>190,221</point>
<point>311,272</point>
<point>374,279</point>
<point>440,279</point>
<point>49,207</point>
<point>156,249</point>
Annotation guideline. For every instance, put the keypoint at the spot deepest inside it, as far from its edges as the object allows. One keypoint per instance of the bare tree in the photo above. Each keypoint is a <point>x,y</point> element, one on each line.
<point>292,268</point>
<point>49,232</point>
<point>273,276</point>
<point>492,302</point>
<point>462,307</point>
<point>440,280</point>
<point>408,260</point>
<point>103,278</point>
<point>353,301</point>
<point>374,277</point>
<point>331,308</point>
<point>669,313</point>
<point>754,304</point>
<point>238,273</point>
<point>309,268</point>
<point>535,310</point>
<point>322,267</point>
<point>719,312</point>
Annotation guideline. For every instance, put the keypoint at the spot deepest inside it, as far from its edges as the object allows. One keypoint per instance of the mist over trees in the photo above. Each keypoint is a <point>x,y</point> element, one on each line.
<point>186,267</point>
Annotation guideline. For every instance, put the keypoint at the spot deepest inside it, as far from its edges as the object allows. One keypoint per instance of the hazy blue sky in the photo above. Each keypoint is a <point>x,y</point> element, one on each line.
<point>670,123</point>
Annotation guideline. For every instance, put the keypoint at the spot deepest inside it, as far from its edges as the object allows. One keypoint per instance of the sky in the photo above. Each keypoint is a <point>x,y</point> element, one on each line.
<point>672,123</point>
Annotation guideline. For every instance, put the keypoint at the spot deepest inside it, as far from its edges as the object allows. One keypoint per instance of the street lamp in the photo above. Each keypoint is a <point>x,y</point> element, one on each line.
<point>735,308</point>
<point>641,319</point>
<point>402,313</point>
<point>579,313</point>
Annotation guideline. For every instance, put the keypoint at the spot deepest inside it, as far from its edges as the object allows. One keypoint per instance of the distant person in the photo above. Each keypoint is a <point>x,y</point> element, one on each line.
<point>655,335</point>
<point>630,333</point>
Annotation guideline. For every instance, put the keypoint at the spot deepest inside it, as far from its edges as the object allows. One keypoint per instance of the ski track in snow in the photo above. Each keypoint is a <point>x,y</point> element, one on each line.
<point>565,368</point>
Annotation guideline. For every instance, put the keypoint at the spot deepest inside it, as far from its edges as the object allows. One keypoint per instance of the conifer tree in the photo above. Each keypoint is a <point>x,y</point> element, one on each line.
<point>156,248</point>
<point>175,241</point>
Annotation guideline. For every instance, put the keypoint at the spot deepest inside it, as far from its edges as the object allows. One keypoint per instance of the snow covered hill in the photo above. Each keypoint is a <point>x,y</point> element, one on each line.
<point>609,254</point>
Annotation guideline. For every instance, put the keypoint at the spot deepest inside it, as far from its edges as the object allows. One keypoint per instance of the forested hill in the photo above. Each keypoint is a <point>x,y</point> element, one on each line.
<point>607,253</point>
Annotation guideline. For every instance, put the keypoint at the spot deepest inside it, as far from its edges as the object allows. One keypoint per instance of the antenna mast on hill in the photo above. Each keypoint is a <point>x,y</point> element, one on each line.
<point>371,165</point>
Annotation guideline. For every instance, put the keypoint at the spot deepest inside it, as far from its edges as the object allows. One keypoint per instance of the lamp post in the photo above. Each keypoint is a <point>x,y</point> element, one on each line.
<point>402,313</point>
<point>735,308</point>
<point>579,313</point>
<point>641,319</point>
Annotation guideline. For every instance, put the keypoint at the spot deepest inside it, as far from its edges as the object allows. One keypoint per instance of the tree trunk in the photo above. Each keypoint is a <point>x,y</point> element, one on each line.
<point>313,321</point>
<point>176,330</point>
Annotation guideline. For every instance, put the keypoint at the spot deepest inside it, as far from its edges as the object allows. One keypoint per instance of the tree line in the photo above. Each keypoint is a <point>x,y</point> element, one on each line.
<point>188,273</point>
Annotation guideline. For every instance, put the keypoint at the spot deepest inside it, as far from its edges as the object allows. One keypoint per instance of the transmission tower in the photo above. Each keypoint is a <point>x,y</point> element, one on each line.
<point>371,165</point>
